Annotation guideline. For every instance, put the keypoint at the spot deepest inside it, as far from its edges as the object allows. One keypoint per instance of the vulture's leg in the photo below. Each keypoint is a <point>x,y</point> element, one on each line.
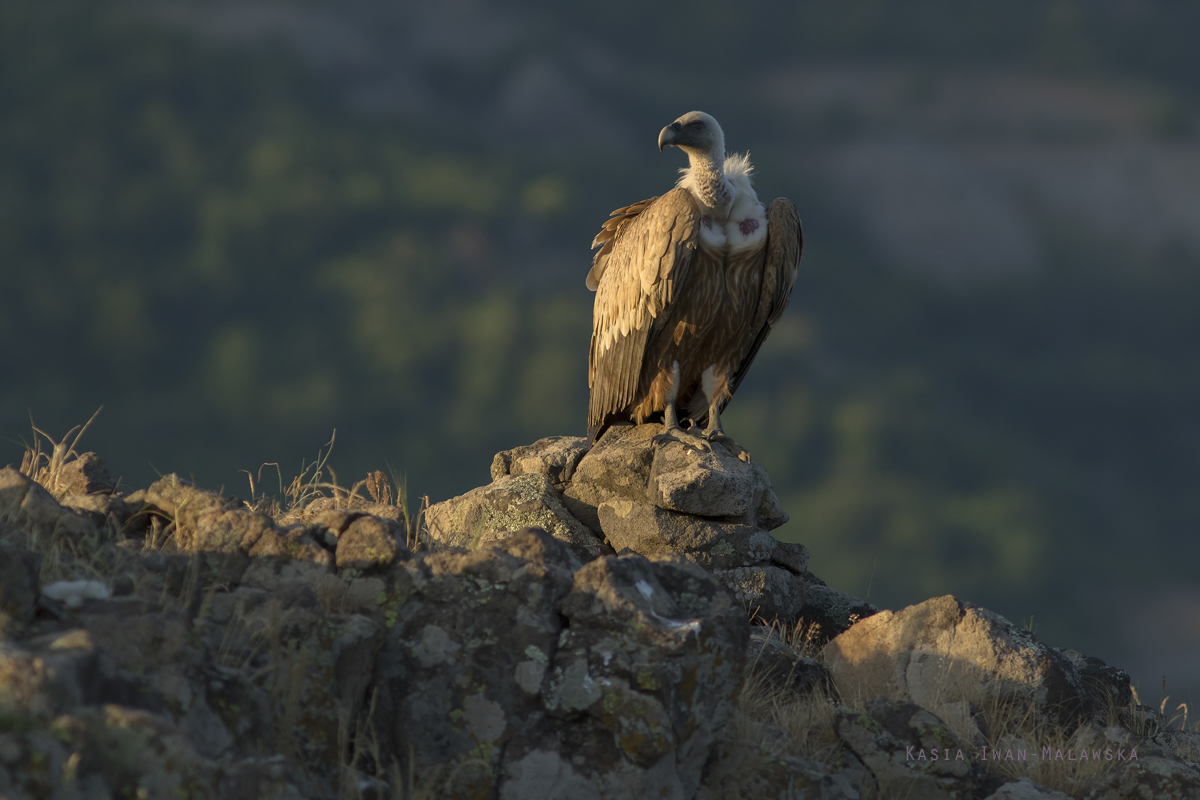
<point>672,432</point>
<point>713,432</point>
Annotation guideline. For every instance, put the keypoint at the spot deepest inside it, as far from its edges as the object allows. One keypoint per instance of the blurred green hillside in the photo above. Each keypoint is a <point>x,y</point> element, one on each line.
<point>211,243</point>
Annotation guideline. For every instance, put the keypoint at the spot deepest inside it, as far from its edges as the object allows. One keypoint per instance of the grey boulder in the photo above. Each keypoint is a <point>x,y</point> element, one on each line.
<point>493,512</point>
<point>946,651</point>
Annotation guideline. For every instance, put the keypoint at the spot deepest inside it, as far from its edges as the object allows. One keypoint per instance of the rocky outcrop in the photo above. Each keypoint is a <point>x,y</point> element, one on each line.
<point>626,465</point>
<point>250,658</point>
<point>643,678</point>
<point>178,643</point>
<point>944,651</point>
<point>627,494</point>
<point>510,662</point>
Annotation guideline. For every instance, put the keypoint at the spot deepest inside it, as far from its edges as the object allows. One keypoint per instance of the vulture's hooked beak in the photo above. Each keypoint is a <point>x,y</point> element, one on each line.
<point>668,135</point>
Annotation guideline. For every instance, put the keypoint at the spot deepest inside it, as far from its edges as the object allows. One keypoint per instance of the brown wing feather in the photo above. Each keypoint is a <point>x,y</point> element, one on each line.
<point>643,271</point>
<point>604,239</point>
<point>785,240</point>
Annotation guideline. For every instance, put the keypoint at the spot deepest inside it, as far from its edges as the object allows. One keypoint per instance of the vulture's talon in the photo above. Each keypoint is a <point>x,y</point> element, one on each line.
<point>729,444</point>
<point>692,440</point>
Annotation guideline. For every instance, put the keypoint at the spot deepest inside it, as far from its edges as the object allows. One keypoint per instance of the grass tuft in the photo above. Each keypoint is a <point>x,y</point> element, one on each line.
<point>46,468</point>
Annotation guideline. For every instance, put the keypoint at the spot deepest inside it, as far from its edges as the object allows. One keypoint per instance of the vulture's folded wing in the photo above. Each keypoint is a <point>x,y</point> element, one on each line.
<point>604,239</point>
<point>784,242</point>
<point>649,251</point>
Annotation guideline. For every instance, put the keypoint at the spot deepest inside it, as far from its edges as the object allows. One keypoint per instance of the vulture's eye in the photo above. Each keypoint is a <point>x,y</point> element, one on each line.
<point>697,125</point>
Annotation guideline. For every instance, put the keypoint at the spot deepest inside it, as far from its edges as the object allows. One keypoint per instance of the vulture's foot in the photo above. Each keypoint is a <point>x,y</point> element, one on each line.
<point>686,438</point>
<point>729,444</point>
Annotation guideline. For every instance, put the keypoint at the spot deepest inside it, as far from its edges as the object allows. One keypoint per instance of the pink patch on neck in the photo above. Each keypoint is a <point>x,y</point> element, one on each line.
<point>706,221</point>
<point>748,226</point>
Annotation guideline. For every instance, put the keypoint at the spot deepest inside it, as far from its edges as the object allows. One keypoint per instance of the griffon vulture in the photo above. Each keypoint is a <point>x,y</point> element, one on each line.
<point>688,285</point>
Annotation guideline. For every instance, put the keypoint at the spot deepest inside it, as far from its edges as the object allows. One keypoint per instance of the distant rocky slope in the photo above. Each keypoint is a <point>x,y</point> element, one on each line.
<point>612,623</point>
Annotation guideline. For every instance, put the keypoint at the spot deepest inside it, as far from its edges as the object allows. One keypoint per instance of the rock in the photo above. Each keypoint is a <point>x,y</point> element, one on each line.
<point>184,502</point>
<point>649,530</point>
<point>768,592</point>
<point>147,651</point>
<point>369,543</point>
<point>209,522</point>
<point>26,506</point>
<point>110,751</point>
<point>513,673</point>
<point>713,484</point>
<point>470,635</point>
<point>332,523</point>
<point>25,686</point>
<point>791,556</point>
<point>323,509</point>
<point>742,771</point>
<point>330,663</point>
<point>258,777</point>
<point>1025,789</point>
<point>779,668</point>
<point>616,468</point>
<point>1150,778</point>
<point>1184,745</point>
<point>57,672</point>
<point>556,457</point>
<point>493,512</point>
<point>72,594</point>
<point>652,658</point>
<point>626,465</point>
<point>832,611</point>
<point>86,474</point>
<point>104,510</point>
<point>910,751</point>
<point>19,589</point>
<point>1107,686</point>
<point>237,543</point>
<point>282,557</point>
<point>944,650</point>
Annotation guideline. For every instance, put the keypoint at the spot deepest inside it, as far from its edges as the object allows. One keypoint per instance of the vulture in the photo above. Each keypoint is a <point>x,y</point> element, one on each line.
<point>688,285</point>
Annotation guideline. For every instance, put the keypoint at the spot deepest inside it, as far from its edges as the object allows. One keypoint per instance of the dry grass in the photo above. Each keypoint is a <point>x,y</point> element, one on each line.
<point>807,719</point>
<point>92,555</point>
<point>1146,720</point>
<point>45,467</point>
<point>311,484</point>
<point>809,722</point>
<point>1022,743</point>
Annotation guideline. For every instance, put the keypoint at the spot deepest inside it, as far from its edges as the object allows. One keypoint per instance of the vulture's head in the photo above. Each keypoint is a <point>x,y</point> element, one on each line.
<point>695,132</point>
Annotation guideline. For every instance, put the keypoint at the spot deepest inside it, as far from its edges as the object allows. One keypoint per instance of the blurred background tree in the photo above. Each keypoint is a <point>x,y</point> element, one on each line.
<point>240,225</point>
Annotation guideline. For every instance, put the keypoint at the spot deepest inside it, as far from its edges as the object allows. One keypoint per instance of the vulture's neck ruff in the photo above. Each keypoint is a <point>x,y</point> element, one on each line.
<point>735,219</point>
<point>705,179</point>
